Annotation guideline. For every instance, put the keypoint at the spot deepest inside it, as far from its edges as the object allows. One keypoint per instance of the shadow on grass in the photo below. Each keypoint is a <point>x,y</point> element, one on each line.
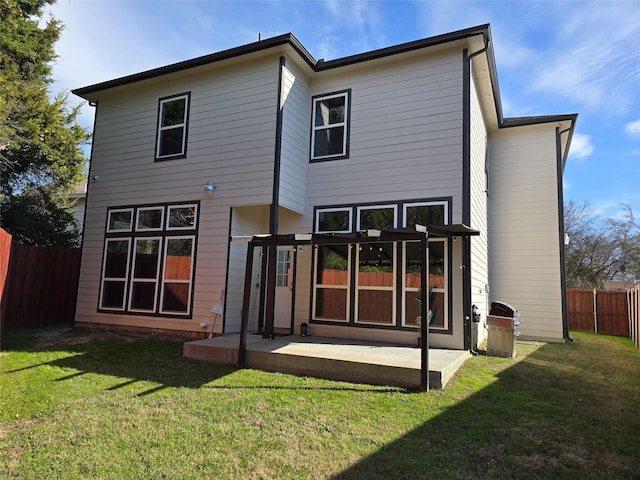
<point>133,359</point>
<point>136,359</point>
<point>563,411</point>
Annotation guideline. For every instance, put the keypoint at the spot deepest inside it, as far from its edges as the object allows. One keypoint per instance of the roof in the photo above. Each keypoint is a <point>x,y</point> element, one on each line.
<point>619,285</point>
<point>291,40</point>
<point>482,31</point>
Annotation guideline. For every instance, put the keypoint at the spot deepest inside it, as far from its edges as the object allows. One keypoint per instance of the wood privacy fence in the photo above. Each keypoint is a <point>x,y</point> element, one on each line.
<point>604,311</point>
<point>41,285</point>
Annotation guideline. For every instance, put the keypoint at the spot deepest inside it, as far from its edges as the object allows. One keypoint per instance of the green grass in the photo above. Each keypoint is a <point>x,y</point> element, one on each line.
<point>78,406</point>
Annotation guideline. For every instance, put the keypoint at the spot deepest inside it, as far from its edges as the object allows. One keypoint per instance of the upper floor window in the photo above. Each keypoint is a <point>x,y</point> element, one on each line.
<point>172,127</point>
<point>330,123</point>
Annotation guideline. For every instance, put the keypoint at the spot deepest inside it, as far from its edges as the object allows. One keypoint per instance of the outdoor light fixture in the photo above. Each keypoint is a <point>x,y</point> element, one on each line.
<point>208,189</point>
<point>373,233</point>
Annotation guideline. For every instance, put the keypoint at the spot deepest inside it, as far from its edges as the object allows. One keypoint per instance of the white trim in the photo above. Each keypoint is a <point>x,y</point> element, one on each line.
<point>144,280</point>
<point>166,280</point>
<point>392,288</point>
<point>315,128</point>
<point>393,206</point>
<point>118,230</point>
<point>182,125</point>
<point>329,210</point>
<point>445,214</point>
<point>444,290</point>
<point>142,209</point>
<point>188,227</point>
<point>124,279</point>
<point>319,286</point>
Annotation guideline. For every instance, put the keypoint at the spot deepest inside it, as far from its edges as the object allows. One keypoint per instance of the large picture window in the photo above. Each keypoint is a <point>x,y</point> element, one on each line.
<point>173,118</point>
<point>331,282</point>
<point>148,264</point>
<point>330,126</point>
<point>379,283</point>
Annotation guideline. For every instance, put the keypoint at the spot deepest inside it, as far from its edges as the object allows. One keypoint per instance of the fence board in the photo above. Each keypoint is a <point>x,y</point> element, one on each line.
<point>5,251</point>
<point>611,311</point>
<point>41,287</point>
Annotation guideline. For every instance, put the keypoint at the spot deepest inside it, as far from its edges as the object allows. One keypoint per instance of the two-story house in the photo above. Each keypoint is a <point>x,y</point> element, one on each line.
<point>264,139</point>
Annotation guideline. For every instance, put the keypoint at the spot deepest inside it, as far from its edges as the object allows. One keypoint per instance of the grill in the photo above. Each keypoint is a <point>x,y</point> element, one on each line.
<point>503,321</point>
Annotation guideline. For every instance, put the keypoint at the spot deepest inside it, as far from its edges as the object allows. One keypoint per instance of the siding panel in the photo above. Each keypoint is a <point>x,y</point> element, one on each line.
<point>524,252</point>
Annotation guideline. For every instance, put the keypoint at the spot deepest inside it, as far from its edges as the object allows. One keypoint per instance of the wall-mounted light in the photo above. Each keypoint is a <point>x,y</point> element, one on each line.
<point>208,189</point>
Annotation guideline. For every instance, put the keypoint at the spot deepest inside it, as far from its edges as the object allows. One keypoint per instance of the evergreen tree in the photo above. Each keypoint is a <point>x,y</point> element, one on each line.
<point>41,157</point>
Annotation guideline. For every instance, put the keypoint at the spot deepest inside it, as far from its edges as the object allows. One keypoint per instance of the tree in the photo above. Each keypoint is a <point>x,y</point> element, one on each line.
<point>600,249</point>
<point>41,157</point>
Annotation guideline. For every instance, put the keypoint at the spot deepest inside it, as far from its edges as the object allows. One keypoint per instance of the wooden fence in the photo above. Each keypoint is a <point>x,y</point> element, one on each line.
<point>603,311</point>
<point>41,286</point>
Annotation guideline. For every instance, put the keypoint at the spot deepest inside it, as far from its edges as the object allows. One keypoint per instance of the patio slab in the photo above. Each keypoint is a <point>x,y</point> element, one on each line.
<point>333,358</point>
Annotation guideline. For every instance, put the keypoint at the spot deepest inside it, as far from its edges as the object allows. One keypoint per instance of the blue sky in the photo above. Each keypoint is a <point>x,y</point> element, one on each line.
<point>552,58</point>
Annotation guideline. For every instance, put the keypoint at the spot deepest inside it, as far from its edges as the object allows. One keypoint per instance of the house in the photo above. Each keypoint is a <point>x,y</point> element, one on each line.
<point>264,141</point>
<point>79,195</point>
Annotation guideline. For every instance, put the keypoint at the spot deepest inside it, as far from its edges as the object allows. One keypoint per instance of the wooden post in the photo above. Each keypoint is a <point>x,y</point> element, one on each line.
<point>424,312</point>
<point>595,312</point>
<point>244,324</point>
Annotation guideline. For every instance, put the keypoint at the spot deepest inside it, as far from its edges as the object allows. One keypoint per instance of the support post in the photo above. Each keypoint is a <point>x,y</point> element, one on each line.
<point>424,312</point>
<point>272,252</point>
<point>244,323</point>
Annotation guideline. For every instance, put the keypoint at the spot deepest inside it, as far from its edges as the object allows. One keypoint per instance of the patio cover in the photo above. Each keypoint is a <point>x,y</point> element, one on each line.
<point>420,233</point>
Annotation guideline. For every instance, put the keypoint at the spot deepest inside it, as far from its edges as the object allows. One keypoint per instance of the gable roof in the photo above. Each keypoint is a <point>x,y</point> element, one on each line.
<point>284,40</point>
<point>484,42</point>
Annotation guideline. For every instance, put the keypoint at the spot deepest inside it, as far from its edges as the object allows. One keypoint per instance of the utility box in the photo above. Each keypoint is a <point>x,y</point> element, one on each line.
<point>503,321</point>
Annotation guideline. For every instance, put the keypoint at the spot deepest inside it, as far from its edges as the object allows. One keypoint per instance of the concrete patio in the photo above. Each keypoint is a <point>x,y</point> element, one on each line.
<point>332,358</point>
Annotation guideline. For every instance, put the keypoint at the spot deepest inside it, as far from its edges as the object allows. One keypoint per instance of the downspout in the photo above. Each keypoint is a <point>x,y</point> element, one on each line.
<point>563,270</point>
<point>273,214</point>
<point>466,194</point>
<point>86,203</point>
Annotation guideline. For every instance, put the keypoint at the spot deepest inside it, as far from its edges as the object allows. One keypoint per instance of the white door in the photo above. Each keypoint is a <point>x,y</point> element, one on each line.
<point>284,288</point>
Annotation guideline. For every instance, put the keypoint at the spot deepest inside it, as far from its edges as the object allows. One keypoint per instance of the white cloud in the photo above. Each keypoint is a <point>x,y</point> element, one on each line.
<point>581,147</point>
<point>633,129</point>
<point>589,60</point>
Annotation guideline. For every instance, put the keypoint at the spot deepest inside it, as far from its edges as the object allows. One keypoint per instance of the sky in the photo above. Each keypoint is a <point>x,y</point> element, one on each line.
<point>557,57</point>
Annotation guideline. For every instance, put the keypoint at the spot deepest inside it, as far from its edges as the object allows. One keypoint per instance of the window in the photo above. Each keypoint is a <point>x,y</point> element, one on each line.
<point>426,213</point>
<point>331,282</point>
<point>333,220</point>
<point>283,268</point>
<point>438,284</point>
<point>378,217</point>
<point>375,283</point>
<point>120,220</point>
<point>172,127</point>
<point>379,283</point>
<point>330,125</point>
<point>150,269</point>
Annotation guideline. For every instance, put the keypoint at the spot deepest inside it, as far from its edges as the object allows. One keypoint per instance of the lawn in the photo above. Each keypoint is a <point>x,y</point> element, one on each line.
<point>90,406</point>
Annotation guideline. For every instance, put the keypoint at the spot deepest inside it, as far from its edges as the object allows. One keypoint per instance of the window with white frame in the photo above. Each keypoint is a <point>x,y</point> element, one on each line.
<point>148,263</point>
<point>381,280</point>
<point>331,282</point>
<point>426,213</point>
<point>333,220</point>
<point>376,217</point>
<point>330,125</point>
<point>173,118</point>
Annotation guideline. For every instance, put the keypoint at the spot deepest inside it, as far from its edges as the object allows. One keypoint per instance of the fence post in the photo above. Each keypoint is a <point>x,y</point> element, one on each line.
<point>595,313</point>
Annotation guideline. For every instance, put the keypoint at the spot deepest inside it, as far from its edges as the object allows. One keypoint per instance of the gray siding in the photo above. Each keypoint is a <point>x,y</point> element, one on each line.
<point>479,203</point>
<point>524,251</point>
<point>231,143</point>
<point>296,106</point>
<point>406,135</point>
